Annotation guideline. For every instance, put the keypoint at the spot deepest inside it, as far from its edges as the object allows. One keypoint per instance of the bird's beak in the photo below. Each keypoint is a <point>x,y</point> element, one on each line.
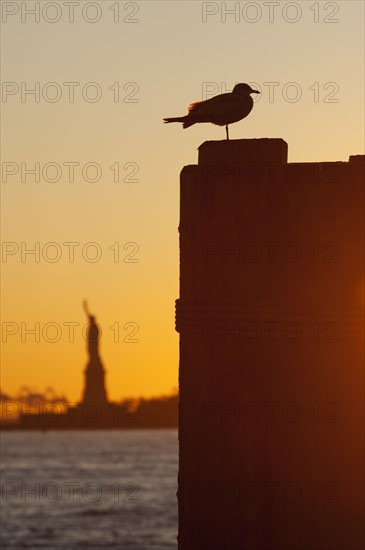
<point>255,92</point>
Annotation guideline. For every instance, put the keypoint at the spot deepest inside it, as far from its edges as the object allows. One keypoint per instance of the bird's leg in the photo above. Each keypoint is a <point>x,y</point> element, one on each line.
<point>227,134</point>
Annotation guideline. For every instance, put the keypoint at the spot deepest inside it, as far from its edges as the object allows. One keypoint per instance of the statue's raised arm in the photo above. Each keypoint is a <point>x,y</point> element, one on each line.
<point>92,332</point>
<point>86,309</point>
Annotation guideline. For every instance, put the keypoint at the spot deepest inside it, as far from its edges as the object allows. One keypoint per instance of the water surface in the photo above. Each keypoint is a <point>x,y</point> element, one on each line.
<point>89,489</point>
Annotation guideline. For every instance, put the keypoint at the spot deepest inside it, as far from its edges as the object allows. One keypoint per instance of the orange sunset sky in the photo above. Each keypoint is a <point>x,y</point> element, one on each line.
<point>146,60</point>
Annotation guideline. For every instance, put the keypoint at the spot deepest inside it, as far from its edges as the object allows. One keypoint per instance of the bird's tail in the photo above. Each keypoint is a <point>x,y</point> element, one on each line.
<point>188,123</point>
<point>184,119</point>
<point>174,119</point>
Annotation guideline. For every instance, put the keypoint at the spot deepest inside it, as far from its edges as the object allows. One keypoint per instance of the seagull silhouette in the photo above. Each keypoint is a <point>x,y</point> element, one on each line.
<point>222,110</point>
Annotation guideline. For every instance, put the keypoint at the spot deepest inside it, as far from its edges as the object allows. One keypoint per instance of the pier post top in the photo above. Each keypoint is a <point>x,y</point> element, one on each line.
<point>243,151</point>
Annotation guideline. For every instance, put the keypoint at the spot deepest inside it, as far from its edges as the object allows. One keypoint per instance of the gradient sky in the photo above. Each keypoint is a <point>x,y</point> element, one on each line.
<point>171,54</point>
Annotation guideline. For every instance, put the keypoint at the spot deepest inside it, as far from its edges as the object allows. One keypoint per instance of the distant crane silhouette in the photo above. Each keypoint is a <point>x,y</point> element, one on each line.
<point>222,110</point>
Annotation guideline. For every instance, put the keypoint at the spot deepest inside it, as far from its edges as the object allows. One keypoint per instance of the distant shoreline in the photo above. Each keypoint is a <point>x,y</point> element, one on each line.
<point>159,413</point>
<point>19,428</point>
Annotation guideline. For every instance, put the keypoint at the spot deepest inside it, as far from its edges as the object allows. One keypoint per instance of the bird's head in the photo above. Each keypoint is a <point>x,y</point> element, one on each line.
<point>244,89</point>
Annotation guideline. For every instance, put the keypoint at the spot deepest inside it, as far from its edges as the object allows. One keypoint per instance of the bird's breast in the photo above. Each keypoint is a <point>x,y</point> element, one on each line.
<point>244,107</point>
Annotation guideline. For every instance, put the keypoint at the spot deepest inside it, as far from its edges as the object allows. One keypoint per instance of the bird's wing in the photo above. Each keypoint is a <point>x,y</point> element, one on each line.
<point>218,105</point>
<point>194,106</point>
